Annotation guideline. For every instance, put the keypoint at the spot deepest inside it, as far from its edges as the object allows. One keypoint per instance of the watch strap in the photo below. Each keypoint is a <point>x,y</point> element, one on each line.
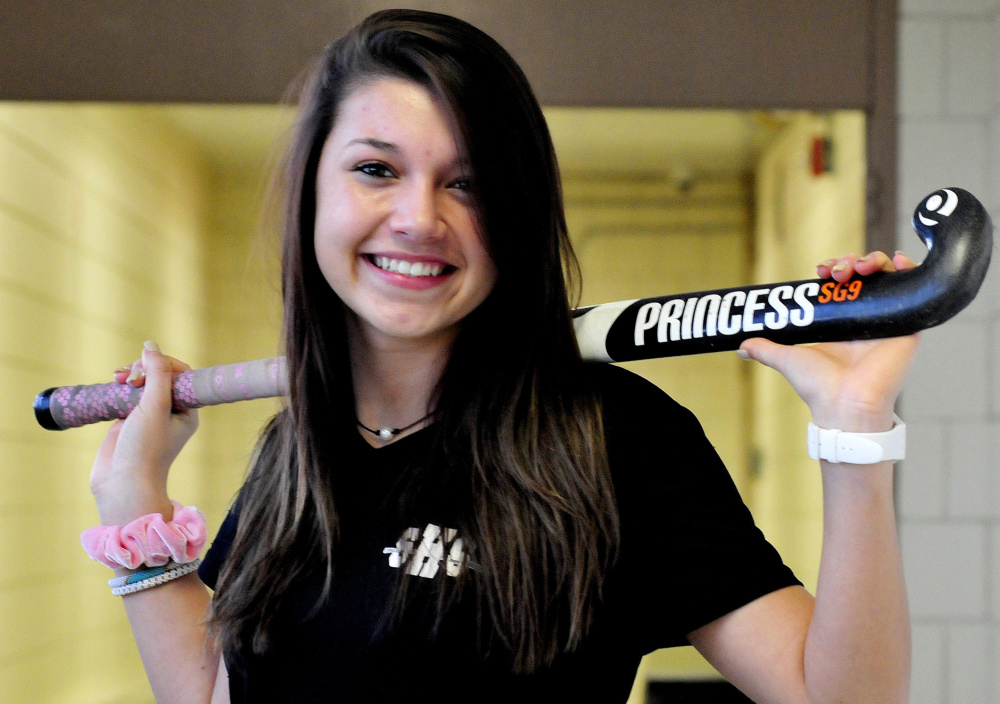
<point>858,448</point>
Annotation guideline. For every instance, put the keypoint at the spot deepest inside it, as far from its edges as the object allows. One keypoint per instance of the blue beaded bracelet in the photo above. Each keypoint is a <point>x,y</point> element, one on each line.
<point>156,581</point>
<point>140,575</point>
<point>145,574</point>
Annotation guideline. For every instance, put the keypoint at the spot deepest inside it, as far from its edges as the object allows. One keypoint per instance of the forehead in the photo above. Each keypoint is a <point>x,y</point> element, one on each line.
<point>392,109</point>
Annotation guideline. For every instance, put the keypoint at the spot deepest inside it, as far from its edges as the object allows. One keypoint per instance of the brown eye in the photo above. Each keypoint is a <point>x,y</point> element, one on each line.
<point>375,169</point>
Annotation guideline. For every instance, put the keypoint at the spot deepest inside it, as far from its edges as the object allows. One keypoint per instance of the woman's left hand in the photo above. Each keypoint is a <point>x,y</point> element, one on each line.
<point>851,643</point>
<point>851,386</point>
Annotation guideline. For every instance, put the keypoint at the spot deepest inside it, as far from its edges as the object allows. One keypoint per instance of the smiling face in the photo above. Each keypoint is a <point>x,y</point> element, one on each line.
<point>395,234</point>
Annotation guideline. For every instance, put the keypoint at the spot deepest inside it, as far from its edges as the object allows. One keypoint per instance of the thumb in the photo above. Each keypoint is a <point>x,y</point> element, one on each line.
<point>107,449</point>
<point>768,353</point>
<point>158,394</point>
<point>806,369</point>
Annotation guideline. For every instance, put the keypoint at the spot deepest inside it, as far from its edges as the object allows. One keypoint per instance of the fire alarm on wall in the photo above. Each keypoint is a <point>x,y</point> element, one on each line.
<point>822,148</point>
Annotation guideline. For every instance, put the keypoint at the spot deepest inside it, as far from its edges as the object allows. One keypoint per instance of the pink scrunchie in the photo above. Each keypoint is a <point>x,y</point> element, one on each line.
<point>148,540</point>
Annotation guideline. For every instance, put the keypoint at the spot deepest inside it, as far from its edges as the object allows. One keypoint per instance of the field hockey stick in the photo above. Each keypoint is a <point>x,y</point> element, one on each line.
<point>952,224</point>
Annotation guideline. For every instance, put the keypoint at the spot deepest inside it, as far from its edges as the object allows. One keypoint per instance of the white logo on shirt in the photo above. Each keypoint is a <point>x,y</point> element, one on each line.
<point>427,557</point>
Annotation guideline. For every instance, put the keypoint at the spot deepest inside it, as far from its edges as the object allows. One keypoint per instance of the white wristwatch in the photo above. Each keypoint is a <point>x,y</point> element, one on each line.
<point>858,448</point>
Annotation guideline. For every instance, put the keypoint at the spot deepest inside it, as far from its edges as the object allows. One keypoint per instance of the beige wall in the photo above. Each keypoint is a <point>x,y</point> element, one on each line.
<point>645,237</point>
<point>107,238</point>
<point>242,274</point>
<point>801,220</point>
<point>639,236</point>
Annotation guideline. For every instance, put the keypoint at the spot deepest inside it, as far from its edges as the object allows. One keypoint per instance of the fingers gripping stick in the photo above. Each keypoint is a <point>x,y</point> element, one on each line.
<point>951,222</point>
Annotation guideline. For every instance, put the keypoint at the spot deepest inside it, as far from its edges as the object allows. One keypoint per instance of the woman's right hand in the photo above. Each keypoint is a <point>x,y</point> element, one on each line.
<point>129,476</point>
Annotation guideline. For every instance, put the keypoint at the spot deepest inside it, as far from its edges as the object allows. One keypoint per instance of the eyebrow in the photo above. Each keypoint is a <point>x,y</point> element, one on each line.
<point>376,143</point>
<point>392,148</point>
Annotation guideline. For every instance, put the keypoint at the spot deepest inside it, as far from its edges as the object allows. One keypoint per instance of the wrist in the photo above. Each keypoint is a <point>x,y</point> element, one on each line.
<point>838,446</point>
<point>150,542</point>
<point>121,507</point>
<point>855,420</point>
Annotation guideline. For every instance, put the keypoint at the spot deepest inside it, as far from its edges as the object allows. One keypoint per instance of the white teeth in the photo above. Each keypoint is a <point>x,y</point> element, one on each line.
<point>401,266</point>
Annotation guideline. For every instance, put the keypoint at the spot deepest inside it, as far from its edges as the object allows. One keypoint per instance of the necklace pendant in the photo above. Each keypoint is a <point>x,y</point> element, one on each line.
<point>387,434</point>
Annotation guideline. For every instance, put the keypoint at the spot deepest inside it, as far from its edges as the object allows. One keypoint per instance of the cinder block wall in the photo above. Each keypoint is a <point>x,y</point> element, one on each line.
<point>102,223</point>
<point>243,321</point>
<point>114,229</point>
<point>950,488</point>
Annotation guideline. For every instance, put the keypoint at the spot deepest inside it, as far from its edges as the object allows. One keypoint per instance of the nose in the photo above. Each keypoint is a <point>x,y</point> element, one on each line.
<point>417,212</point>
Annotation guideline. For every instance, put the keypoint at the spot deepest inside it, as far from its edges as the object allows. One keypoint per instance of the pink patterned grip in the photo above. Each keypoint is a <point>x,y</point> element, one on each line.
<point>73,406</point>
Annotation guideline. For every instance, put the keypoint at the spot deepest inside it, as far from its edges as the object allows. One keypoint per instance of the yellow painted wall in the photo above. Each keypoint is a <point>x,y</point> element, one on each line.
<point>242,275</point>
<point>801,220</point>
<point>638,237</point>
<point>649,238</point>
<point>108,236</point>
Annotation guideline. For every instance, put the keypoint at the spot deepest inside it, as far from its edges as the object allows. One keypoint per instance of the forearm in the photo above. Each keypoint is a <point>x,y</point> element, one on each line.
<point>167,620</point>
<point>129,481</point>
<point>858,643</point>
<point>168,625</point>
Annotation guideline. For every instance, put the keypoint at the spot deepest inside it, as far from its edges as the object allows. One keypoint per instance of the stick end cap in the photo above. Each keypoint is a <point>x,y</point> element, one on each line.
<point>42,412</point>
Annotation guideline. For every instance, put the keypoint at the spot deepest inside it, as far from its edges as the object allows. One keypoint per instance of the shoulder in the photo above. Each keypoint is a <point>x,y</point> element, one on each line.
<point>657,449</point>
<point>643,425</point>
<point>627,397</point>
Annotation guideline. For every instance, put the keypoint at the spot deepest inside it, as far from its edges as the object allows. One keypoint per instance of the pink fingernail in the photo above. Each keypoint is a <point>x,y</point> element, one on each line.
<point>840,267</point>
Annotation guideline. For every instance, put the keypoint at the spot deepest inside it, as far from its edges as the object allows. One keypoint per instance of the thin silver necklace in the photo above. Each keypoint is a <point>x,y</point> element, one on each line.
<point>387,434</point>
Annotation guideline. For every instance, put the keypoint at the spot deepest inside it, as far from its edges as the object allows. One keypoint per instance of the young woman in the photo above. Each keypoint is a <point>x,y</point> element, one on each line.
<point>453,506</point>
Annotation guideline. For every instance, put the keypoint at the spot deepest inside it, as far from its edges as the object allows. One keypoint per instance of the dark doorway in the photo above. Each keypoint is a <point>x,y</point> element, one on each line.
<point>694,692</point>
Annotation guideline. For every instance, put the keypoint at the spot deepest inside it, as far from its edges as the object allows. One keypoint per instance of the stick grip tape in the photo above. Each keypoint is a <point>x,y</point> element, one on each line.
<point>73,406</point>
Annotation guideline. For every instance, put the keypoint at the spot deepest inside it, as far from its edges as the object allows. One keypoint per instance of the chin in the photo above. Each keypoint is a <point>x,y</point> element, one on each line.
<point>410,330</point>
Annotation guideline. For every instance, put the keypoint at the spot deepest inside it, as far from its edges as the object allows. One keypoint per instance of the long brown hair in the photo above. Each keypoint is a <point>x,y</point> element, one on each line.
<point>515,431</point>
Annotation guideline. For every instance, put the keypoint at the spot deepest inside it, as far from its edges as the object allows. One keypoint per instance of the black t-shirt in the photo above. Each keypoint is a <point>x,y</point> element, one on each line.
<point>689,554</point>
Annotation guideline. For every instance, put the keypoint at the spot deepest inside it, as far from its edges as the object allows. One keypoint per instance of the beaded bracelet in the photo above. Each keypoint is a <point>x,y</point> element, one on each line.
<point>140,575</point>
<point>157,580</point>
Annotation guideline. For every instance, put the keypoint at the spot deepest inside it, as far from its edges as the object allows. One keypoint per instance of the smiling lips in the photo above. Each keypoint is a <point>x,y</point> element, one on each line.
<point>408,268</point>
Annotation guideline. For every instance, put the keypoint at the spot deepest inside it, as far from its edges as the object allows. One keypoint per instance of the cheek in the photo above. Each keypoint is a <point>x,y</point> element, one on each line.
<point>332,258</point>
<point>484,260</point>
<point>486,276</point>
<point>336,231</point>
